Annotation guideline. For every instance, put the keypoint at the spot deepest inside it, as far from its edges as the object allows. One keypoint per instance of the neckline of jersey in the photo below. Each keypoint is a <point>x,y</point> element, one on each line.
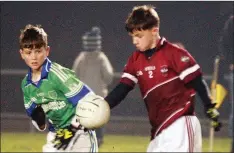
<point>150,52</point>
<point>44,73</point>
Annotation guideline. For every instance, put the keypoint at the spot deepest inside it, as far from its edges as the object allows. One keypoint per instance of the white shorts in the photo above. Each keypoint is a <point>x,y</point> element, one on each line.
<point>184,135</point>
<point>81,142</point>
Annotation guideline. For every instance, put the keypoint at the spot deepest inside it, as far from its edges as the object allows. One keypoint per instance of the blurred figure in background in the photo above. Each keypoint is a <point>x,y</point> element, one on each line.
<point>227,64</point>
<point>93,67</point>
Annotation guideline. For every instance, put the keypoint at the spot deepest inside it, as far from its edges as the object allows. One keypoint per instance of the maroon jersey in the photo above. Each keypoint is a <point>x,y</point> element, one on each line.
<point>162,78</point>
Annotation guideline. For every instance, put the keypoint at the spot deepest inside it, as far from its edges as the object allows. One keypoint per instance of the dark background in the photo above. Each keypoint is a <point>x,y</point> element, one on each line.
<point>196,24</point>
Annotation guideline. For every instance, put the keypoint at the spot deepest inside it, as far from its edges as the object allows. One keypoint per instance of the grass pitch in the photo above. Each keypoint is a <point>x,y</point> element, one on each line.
<point>27,142</point>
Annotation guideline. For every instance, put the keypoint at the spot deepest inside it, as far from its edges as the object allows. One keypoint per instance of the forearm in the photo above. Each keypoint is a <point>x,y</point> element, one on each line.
<point>200,86</point>
<point>203,91</point>
<point>118,94</point>
<point>38,116</point>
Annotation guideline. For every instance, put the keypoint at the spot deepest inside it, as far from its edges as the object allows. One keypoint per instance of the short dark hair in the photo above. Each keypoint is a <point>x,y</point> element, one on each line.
<point>33,37</point>
<point>142,18</point>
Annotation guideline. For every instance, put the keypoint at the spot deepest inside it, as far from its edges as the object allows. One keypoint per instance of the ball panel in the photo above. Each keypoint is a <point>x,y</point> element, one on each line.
<point>93,111</point>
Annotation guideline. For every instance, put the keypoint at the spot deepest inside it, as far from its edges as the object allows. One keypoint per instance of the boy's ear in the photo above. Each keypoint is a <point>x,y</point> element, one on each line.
<point>155,29</point>
<point>21,53</point>
<point>47,50</point>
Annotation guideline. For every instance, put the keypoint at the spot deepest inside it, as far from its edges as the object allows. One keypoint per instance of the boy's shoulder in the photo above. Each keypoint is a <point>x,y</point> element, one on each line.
<point>171,48</point>
<point>56,67</point>
<point>24,81</point>
<point>59,71</point>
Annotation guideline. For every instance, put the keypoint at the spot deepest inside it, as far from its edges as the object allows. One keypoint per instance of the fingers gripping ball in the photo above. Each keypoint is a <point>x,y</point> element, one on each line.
<point>93,112</point>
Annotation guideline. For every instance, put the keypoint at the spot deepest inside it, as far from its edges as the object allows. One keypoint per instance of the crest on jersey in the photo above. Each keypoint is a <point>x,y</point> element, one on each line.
<point>164,70</point>
<point>184,59</point>
<point>52,94</point>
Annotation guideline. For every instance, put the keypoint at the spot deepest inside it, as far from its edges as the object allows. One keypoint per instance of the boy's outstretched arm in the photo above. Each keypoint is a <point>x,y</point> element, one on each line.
<point>118,94</point>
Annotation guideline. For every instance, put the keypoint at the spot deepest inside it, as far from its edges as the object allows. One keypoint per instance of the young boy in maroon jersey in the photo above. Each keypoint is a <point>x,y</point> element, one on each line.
<point>168,77</point>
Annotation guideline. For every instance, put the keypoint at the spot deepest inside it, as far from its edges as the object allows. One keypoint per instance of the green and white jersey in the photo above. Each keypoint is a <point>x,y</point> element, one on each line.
<point>58,92</point>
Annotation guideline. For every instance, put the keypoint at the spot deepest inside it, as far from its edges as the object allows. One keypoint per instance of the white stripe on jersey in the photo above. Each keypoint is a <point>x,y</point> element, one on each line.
<point>158,86</point>
<point>188,71</point>
<point>129,76</point>
<point>48,61</point>
<point>28,104</point>
<point>63,76</point>
<point>75,92</point>
<point>57,74</point>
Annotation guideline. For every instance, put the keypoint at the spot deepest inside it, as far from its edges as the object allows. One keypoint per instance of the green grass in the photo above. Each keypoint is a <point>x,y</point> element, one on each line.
<point>26,142</point>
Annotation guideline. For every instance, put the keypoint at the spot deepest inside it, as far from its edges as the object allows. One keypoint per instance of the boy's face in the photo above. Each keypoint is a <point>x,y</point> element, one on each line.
<point>144,39</point>
<point>35,57</point>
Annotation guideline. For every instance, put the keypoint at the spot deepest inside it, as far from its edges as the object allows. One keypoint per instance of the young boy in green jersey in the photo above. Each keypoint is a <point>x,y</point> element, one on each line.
<point>51,92</point>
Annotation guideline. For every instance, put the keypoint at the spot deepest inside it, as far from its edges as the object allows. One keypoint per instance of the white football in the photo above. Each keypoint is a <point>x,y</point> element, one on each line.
<point>92,111</point>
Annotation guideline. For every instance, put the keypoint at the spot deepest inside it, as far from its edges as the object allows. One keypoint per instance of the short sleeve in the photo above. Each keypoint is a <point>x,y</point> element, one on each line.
<point>29,103</point>
<point>129,75</point>
<point>185,65</point>
<point>69,85</point>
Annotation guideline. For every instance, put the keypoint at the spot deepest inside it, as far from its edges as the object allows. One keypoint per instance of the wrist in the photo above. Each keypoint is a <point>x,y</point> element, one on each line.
<point>210,105</point>
<point>39,127</point>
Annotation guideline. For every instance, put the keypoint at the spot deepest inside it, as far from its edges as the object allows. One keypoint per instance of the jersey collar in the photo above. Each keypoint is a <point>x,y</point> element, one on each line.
<point>148,53</point>
<point>44,73</point>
